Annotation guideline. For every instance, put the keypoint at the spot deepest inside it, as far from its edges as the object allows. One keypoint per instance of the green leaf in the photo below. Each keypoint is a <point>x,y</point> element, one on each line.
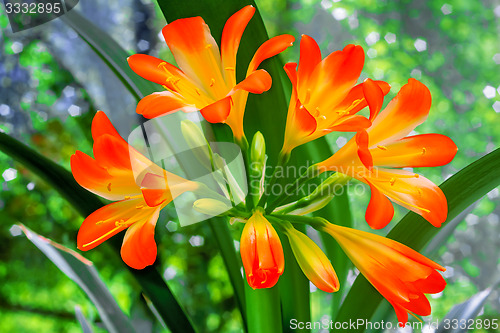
<point>463,312</point>
<point>110,52</point>
<point>461,190</point>
<point>85,203</point>
<point>82,272</point>
<point>84,323</point>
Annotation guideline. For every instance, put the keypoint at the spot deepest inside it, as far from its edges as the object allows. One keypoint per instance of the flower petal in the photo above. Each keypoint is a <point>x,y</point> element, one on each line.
<point>353,123</point>
<point>412,191</point>
<point>231,37</point>
<point>405,112</point>
<point>152,68</point>
<point>139,247</point>
<point>91,176</point>
<point>374,96</point>
<point>291,71</point>
<point>217,112</point>
<point>380,210</point>
<point>162,103</point>
<point>269,49</point>
<point>340,70</point>
<point>256,83</point>
<point>363,151</point>
<point>110,220</point>
<point>101,125</point>
<point>196,52</point>
<point>355,99</point>
<point>424,150</point>
<point>310,57</point>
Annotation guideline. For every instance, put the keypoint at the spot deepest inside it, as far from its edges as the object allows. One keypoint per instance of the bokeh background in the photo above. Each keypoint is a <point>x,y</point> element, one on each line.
<point>51,83</point>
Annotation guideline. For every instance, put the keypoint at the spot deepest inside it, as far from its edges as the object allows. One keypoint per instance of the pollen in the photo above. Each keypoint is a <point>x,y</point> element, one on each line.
<point>392,181</point>
<point>382,147</point>
<point>212,82</point>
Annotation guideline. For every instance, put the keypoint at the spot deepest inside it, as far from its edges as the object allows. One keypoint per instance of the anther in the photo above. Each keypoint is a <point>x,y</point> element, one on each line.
<point>229,68</point>
<point>316,112</point>
<point>392,181</point>
<point>212,82</point>
<point>208,46</point>
<point>109,187</point>
<point>424,150</point>
<point>382,147</point>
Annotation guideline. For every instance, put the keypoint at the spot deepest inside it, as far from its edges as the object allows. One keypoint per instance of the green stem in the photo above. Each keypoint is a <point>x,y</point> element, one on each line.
<point>226,245</point>
<point>282,161</point>
<point>263,310</point>
<point>306,176</point>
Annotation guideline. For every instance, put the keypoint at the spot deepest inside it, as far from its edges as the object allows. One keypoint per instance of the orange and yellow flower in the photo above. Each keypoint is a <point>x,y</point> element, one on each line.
<point>324,95</point>
<point>139,188</point>
<point>402,275</point>
<point>206,78</point>
<point>372,154</point>
<point>261,252</point>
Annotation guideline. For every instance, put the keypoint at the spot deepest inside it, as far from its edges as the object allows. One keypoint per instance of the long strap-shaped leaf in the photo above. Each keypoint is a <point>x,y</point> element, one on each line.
<point>85,203</point>
<point>461,190</point>
<point>110,52</point>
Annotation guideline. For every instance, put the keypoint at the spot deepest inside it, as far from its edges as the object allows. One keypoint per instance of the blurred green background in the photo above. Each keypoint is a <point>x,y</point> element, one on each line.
<point>51,83</point>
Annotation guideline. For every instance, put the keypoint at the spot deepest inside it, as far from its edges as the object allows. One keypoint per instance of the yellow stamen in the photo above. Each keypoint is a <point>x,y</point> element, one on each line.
<point>139,206</point>
<point>382,147</point>
<point>127,197</point>
<point>103,236</point>
<point>162,64</point>
<point>120,223</point>
<point>99,222</point>
<point>229,68</point>
<point>208,46</point>
<point>392,181</point>
<point>212,82</point>
<point>109,187</point>
<point>317,113</point>
<point>424,151</point>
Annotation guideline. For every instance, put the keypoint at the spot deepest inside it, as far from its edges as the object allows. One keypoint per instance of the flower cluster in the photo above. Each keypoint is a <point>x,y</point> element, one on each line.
<point>326,97</point>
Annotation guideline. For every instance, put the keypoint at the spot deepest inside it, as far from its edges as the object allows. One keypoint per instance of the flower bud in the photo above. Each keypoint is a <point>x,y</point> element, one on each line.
<point>312,261</point>
<point>211,207</point>
<point>261,252</point>
<point>257,166</point>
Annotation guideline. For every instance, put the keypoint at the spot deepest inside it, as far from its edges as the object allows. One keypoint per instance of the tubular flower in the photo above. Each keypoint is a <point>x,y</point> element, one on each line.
<point>402,275</point>
<point>206,78</point>
<point>114,174</point>
<point>261,252</point>
<point>385,144</point>
<point>324,96</point>
<point>313,261</point>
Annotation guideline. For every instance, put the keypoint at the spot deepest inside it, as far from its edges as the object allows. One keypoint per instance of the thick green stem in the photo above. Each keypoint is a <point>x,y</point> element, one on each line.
<point>282,161</point>
<point>263,310</point>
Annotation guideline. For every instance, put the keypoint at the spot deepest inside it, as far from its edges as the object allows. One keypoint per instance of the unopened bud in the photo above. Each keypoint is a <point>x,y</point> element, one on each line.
<point>211,207</point>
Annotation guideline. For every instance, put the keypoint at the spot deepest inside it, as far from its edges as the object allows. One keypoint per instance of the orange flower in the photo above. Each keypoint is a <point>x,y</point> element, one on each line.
<point>206,79</point>
<point>385,144</point>
<point>261,252</point>
<point>402,275</point>
<point>324,95</point>
<point>114,174</point>
<point>312,261</point>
